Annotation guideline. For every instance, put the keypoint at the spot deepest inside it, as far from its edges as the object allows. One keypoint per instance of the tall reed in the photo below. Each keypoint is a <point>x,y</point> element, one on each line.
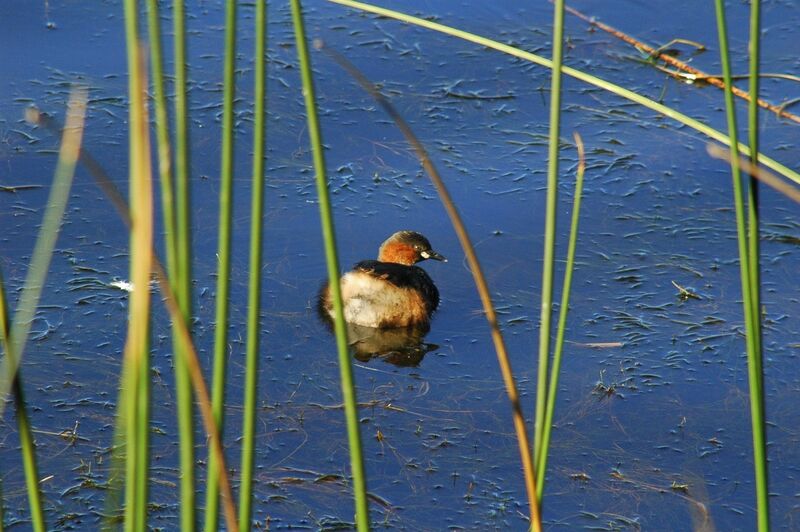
<point>182,190</point>
<point>135,409</point>
<point>223,257</point>
<point>548,254</point>
<point>181,278</point>
<point>566,289</point>
<point>165,167</point>
<point>752,135</point>
<point>254,291</point>
<point>753,231</point>
<point>70,148</point>
<point>27,443</point>
<point>162,132</point>
<point>332,260</point>
<point>748,259</point>
<point>178,305</point>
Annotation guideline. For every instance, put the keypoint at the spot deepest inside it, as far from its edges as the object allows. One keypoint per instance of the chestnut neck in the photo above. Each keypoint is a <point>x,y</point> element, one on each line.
<point>397,252</point>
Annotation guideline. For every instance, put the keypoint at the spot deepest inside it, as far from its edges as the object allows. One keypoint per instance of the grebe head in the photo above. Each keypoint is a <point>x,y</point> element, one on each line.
<point>407,247</point>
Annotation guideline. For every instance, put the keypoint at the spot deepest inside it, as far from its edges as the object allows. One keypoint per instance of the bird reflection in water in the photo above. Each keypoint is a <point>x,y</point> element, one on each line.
<point>401,347</point>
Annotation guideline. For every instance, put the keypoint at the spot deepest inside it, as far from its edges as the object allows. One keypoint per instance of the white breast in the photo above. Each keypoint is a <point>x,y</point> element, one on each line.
<point>373,302</point>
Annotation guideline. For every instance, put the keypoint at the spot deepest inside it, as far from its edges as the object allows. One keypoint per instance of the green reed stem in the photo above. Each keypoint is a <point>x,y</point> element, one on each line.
<point>28,447</point>
<point>254,297</point>
<point>170,300</point>
<point>162,130</point>
<point>329,236</point>
<point>757,406</point>
<point>224,257</point>
<point>45,242</point>
<point>137,346</point>
<point>754,245</point>
<point>182,275</point>
<point>562,321</point>
<point>548,255</point>
<point>184,406</point>
<point>182,191</point>
<point>577,74</point>
<point>751,315</point>
<point>754,77</point>
<point>477,275</point>
<point>128,415</point>
<point>136,373</point>
<point>113,506</point>
<point>27,443</point>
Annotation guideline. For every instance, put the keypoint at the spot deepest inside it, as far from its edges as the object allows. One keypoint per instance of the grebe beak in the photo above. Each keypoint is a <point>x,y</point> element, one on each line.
<point>430,254</point>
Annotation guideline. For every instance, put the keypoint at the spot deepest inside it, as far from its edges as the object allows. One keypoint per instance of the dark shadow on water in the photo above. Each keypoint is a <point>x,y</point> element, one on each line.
<point>402,347</point>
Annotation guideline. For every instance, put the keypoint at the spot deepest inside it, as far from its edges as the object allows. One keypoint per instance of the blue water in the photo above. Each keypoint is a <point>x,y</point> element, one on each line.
<point>634,424</point>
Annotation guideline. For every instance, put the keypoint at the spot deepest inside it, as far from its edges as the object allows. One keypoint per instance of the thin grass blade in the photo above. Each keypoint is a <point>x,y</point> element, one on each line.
<point>137,346</point>
<point>224,258</point>
<point>254,297</point>
<point>183,393</point>
<point>548,253</point>
<point>46,240</point>
<point>162,131</point>
<point>332,260</point>
<point>182,276</point>
<point>751,315</point>
<point>753,244</point>
<point>562,318</point>
<point>27,443</point>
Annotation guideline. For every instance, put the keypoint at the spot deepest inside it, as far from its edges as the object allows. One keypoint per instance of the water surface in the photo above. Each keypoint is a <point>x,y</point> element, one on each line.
<point>653,434</point>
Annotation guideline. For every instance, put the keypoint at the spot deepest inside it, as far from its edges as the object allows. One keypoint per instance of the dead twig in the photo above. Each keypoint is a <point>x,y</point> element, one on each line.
<point>691,73</point>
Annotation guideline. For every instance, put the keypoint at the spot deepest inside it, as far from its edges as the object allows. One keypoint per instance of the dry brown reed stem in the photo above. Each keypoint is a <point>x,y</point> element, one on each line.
<point>766,177</point>
<point>201,391</point>
<point>475,268</point>
<point>170,301</point>
<point>698,75</point>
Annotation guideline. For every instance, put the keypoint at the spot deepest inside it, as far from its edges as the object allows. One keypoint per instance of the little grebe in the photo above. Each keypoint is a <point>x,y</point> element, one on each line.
<point>391,291</point>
